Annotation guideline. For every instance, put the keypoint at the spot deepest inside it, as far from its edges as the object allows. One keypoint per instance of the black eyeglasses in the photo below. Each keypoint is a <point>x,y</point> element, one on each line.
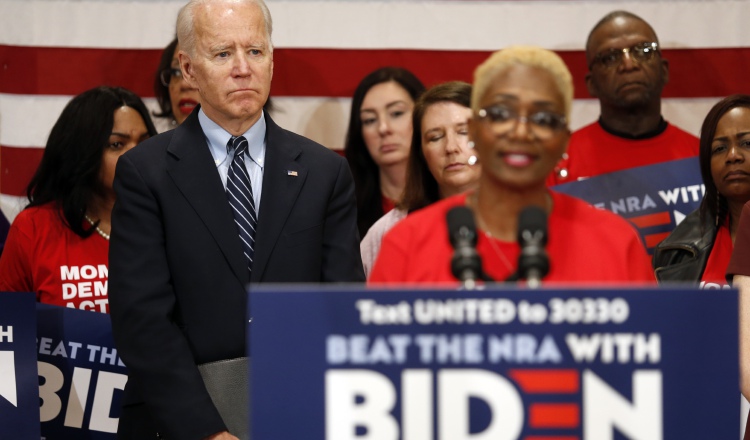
<point>542,124</point>
<point>168,75</point>
<point>641,52</point>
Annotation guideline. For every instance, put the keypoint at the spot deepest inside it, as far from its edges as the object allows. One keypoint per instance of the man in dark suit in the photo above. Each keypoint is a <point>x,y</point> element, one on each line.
<point>178,268</point>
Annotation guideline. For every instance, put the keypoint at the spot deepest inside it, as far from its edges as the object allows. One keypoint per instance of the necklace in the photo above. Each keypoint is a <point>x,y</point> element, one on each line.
<point>473,199</point>
<point>493,245</point>
<point>98,229</point>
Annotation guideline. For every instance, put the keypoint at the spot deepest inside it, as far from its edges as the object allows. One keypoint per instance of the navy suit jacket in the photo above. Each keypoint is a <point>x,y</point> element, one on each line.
<point>178,276</point>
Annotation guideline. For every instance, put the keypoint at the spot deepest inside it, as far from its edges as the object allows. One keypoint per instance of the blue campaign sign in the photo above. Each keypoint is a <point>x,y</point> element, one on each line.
<point>593,364</point>
<point>654,198</point>
<point>80,375</point>
<point>19,390</point>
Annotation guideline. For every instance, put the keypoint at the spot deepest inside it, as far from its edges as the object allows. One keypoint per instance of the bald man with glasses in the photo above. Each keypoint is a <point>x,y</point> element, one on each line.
<point>627,73</point>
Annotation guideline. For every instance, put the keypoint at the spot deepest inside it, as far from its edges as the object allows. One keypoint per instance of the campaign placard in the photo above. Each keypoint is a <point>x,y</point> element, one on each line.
<point>19,390</point>
<point>81,377</point>
<point>592,364</point>
<point>655,198</point>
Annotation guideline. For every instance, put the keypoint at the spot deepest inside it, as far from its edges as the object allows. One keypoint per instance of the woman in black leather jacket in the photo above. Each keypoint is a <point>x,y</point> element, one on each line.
<point>698,250</point>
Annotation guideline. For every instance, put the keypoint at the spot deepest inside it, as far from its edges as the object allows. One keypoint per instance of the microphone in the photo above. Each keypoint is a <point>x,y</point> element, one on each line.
<point>533,262</point>
<point>466,265</point>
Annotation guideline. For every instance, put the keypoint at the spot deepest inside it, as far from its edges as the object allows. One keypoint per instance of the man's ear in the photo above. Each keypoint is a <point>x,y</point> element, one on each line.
<point>665,70</point>
<point>271,67</point>
<point>591,85</point>
<point>186,65</point>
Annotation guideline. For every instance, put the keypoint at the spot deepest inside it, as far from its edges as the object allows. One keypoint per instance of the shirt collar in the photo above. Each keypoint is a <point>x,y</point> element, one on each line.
<point>217,139</point>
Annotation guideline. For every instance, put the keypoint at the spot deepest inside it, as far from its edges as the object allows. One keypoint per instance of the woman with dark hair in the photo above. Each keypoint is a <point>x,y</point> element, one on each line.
<point>441,163</point>
<point>379,139</point>
<point>57,246</point>
<point>699,248</point>
<point>175,97</point>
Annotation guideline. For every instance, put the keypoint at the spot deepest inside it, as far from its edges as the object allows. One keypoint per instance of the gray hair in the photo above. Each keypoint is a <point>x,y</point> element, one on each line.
<point>186,24</point>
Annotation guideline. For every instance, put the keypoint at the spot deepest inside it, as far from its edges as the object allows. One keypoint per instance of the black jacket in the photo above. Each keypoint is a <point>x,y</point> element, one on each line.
<point>683,255</point>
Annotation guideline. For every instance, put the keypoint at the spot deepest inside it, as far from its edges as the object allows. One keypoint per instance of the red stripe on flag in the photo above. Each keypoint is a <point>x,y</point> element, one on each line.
<point>546,381</point>
<point>551,437</point>
<point>336,72</point>
<point>554,415</point>
<point>17,166</point>
<point>70,71</point>
<point>653,239</point>
<point>645,221</point>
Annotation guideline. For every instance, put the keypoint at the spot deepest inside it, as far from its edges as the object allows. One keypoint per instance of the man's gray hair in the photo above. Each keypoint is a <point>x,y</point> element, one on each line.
<point>186,22</point>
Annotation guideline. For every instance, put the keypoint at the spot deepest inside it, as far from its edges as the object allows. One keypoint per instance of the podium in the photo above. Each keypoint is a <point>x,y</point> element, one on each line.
<point>503,364</point>
<point>418,364</point>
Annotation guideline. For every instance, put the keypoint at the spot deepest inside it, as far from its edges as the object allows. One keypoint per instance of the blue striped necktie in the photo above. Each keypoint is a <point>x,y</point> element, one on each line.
<point>240,195</point>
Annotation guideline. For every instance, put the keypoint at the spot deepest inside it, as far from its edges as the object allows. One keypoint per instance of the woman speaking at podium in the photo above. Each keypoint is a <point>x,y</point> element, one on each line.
<point>521,102</point>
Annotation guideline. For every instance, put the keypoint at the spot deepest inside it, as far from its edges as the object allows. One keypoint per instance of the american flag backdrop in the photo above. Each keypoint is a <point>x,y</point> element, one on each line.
<point>51,50</point>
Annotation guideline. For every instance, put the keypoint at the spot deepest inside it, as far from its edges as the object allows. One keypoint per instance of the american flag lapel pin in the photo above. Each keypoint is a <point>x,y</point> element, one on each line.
<point>291,173</point>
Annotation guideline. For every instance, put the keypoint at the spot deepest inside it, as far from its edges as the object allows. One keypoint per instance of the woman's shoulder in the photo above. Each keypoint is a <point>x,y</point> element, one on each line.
<point>38,223</point>
<point>423,225</point>
<point>689,239</point>
<point>40,214</point>
<point>434,214</point>
<point>385,223</point>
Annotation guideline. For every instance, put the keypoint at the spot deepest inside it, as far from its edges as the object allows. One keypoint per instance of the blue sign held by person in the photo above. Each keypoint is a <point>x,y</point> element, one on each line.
<point>654,198</point>
<point>19,383</point>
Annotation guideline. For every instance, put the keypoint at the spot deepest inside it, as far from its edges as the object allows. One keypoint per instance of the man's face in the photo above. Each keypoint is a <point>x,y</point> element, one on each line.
<point>232,64</point>
<point>629,83</point>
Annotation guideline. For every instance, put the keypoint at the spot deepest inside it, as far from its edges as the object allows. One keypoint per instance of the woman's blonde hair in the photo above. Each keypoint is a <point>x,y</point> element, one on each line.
<point>530,56</point>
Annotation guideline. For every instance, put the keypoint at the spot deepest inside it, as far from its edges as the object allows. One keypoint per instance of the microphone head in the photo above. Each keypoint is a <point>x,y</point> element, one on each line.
<point>532,225</point>
<point>461,226</point>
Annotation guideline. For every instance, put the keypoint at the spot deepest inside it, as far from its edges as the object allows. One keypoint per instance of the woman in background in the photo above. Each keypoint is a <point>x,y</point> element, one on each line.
<point>176,99</point>
<point>521,100</point>
<point>58,246</point>
<point>699,249</point>
<point>378,140</point>
<point>441,162</point>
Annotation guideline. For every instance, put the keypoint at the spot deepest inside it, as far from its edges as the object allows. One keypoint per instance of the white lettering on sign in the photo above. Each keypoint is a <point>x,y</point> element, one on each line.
<point>622,347</point>
<point>371,312</point>
<point>469,311</point>
<point>522,348</point>
<point>8,377</point>
<point>605,409</point>
<point>685,194</point>
<point>357,349</point>
<point>6,333</point>
<point>360,404</point>
<point>631,204</point>
<point>51,382</point>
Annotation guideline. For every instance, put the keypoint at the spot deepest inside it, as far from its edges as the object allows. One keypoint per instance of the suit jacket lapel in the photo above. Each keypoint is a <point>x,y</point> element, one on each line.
<point>192,168</point>
<point>283,178</point>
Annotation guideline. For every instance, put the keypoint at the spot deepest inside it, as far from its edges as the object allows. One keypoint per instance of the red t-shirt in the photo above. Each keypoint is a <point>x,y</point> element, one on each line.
<point>585,245</point>
<point>593,151</point>
<point>716,266</point>
<point>43,255</point>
